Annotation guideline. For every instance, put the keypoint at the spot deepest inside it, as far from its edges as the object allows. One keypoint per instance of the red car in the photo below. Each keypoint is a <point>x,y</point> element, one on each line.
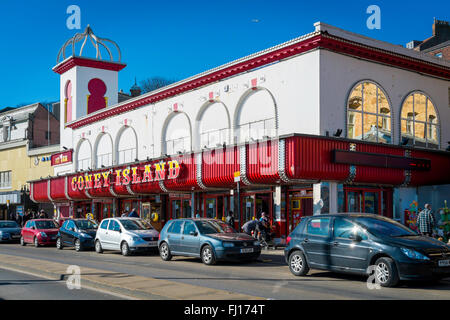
<point>39,232</point>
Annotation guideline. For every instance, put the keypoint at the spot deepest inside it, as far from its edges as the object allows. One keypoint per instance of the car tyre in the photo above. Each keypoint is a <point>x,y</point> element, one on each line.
<point>36,242</point>
<point>125,249</point>
<point>78,246</point>
<point>98,247</point>
<point>59,244</point>
<point>22,242</point>
<point>298,264</point>
<point>164,252</point>
<point>386,272</point>
<point>207,255</point>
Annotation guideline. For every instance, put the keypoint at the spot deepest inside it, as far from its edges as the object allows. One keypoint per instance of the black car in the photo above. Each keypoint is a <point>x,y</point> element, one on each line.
<point>354,242</point>
<point>78,233</point>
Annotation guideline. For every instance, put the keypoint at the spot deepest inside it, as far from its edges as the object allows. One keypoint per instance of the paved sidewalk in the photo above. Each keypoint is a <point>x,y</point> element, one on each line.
<point>132,286</point>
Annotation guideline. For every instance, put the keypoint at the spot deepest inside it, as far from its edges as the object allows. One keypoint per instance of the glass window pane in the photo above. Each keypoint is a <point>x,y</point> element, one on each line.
<point>433,134</point>
<point>354,125</point>
<point>431,113</point>
<point>407,108</point>
<point>318,227</point>
<point>419,131</point>
<point>384,129</point>
<point>383,104</point>
<point>370,128</point>
<point>355,100</point>
<point>420,102</point>
<point>370,98</point>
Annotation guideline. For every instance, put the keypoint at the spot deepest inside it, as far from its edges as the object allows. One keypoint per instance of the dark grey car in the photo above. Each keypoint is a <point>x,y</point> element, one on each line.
<point>9,231</point>
<point>353,242</point>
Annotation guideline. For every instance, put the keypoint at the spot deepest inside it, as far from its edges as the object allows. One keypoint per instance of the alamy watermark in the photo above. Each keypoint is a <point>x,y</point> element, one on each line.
<point>373,283</point>
<point>374,20</point>
<point>74,279</point>
<point>74,20</point>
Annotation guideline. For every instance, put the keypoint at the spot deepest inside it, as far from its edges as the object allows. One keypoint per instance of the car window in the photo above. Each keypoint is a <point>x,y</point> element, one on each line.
<point>318,226</point>
<point>46,224</point>
<point>344,229</point>
<point>189,227</point>
<point>132,225</point>
<point>85,224</point>
<point>385,227</point>
<point>175,227</point>
<point>64,225</point>
<point>104,224</point>
<point>28,225</point>
<point>8,224</point>
<point>114,226</point>
<point>71,224</point>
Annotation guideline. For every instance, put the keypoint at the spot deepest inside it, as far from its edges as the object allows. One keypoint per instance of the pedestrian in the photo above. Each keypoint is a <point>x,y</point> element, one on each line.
<point>425,221</point>
<point>43,214</point>
<point>197,215</point>
<point>250,226</point>
<point>133,214</point>
<point>124,213</point>
<point>264,218</point>
<point>230,219</point>
<point>19,219</point>
<point>26,217</point>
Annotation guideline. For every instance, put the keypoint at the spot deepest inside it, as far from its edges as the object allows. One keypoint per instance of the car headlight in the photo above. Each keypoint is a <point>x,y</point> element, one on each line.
<point>136,238</point>
<point>43,234</point>
<point>414,254</point>
<point>228,244</point>
<point>256,243</point>
<point>85,235</point>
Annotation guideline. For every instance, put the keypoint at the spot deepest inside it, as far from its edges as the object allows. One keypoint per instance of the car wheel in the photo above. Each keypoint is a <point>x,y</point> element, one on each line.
<point>125,249</point>
<point>164,252</point>
<point>78,246</point>
<point>22,241</point>
<point>36,242</point>
<point>208,255</point>
<point>59,244</point>
<point>386,273</point>
<point>98,247</point>
<point>298,264</point>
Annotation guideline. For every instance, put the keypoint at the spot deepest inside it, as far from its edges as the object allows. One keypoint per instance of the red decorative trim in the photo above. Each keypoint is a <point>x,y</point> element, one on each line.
<point>68,64</point>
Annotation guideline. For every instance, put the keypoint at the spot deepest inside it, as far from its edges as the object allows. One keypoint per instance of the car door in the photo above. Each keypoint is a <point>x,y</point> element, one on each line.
<point>69,232</point>
<point>63,232</point>
<point>350,246</point>
<point>102,233</point>
<point>317,242</point>
<point>26,231</point>
<point>114,235</point>
<point>174,236</point>
<point>190,239</point>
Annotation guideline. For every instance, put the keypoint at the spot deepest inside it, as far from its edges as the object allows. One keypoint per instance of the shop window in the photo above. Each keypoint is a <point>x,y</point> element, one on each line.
<point>369,114</point>
<point>419,122</point>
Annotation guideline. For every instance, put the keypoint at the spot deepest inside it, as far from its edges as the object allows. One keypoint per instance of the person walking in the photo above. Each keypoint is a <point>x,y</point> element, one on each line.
<point>250,226</point>
<point>133,214</point>
<point>230,219</point>
<point>124,214</point>
<point>43,214</point>
<point>425,221</point>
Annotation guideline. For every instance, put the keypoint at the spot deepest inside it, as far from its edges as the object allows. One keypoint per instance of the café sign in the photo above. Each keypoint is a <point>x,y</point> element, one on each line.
<point>123,177</point>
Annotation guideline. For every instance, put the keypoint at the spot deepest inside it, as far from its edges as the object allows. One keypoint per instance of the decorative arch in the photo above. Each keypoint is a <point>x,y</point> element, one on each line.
<point>126,152</point>
<point>369,113</point>
<point>101,155</point>
<point>256,128</point>
<point>212,137</point>
<point>83,155</point>
<point>68,101</point>
<point>182,141</point>
<point>419,121</point>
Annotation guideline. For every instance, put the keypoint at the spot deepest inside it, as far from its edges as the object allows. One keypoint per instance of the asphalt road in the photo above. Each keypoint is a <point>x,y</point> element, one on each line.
<point>20,286</point>
<point>270,278</point>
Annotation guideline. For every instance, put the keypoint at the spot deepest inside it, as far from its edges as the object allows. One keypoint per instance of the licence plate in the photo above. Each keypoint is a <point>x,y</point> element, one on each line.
<point>153,243</point>
<point>16,236</point>
<point>247,250</point>
<point>444,263</point>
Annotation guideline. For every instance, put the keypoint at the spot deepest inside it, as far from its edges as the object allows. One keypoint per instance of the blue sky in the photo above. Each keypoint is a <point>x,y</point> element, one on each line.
<point>177,39</point>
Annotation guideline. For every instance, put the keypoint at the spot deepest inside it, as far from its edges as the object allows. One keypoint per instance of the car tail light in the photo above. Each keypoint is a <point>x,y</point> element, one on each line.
<point>288,239</point>
<point>159,236</point>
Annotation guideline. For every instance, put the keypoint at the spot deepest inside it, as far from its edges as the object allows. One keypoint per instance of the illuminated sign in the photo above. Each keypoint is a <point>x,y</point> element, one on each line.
<point>123,177</point>
<point>62,157</point>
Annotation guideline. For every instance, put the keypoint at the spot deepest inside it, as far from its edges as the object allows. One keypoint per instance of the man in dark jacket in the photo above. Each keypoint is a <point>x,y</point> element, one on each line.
<point>230,219</point>
<point>250,226</point>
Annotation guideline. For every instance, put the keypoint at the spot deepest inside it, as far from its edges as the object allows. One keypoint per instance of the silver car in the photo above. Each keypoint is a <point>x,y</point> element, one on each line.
<point>125,234</point>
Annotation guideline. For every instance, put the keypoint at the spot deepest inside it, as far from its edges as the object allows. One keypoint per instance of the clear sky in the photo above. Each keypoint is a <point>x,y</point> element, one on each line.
<point>177,39</point>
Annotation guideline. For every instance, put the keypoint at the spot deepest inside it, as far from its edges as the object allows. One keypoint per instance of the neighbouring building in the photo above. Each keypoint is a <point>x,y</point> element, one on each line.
<point>331,121</point>
<point>438,44</point>
<point>29,136</point>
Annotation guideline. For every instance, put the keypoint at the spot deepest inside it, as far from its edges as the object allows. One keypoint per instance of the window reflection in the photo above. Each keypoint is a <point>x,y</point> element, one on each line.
<point>369,114</point>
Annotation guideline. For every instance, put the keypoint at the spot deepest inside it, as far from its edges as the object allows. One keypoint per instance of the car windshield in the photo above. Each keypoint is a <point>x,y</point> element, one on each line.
<point>86,224</point>
<point>8,224</point>
<point>49,224</point>
<point>210,227</point>
<point>145,224</point>
<point>132,225</point>
<point>380,227</point>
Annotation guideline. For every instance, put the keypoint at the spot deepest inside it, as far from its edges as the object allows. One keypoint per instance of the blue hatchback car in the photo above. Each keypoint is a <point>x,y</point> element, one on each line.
<point>209,239</point>
<point>78,233</point>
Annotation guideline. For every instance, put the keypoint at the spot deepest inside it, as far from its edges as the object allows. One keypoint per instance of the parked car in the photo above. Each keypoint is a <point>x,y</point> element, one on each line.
<point>353,242</point>
<point>209,239</point>
<point>9,231</point>
<point>78,233</point>
<point>125,234</point>
<point>39,232</point>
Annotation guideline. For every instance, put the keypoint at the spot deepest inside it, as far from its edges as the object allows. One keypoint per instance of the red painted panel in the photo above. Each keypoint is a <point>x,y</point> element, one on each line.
<point>57,189</point>
<point>219,166</point>
<point>102,192</point>
<point>40,191</point>
<point>310,158</point>
<point>262,162</point>
<point>187,180</point>
<point>379,175</point>
<point>440,169</point>
<point>75,194</point>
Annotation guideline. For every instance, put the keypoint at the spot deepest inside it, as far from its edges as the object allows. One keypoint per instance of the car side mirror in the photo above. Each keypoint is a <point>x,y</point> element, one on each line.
<point>33,228</point>
<point>355,237</point>
<point>193,233</point>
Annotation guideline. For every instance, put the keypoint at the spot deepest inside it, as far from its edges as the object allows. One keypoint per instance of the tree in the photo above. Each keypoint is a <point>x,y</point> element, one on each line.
<point>154,83</point>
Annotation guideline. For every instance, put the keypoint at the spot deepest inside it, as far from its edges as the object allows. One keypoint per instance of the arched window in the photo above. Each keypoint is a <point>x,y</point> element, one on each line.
<point>84,155</point>
<point>127,146</point>
<point>104,151</point>
<point>419,122</point>
<point>176,134</point>
<point>213,125</point>
<point>369,114</point>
